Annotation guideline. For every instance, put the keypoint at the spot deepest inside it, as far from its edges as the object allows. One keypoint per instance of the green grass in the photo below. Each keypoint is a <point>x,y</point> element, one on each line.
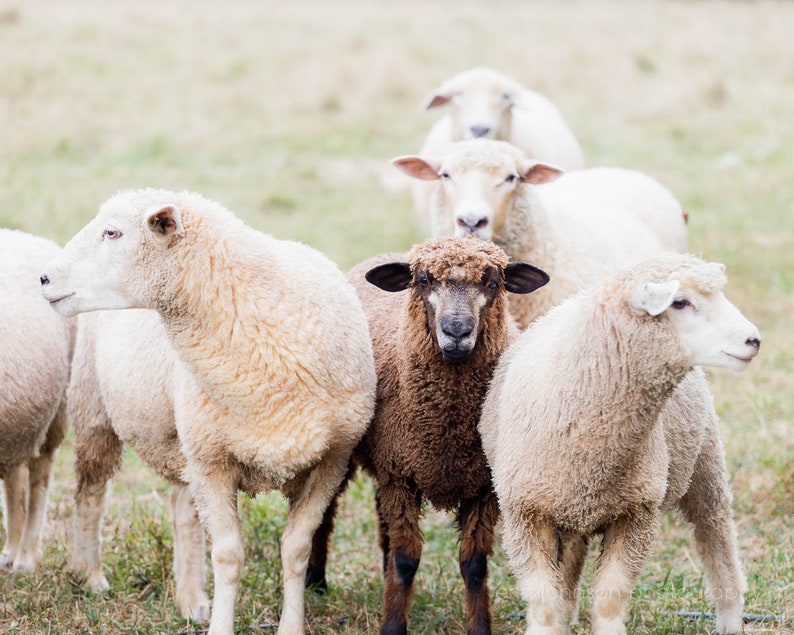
<point>288,113</point>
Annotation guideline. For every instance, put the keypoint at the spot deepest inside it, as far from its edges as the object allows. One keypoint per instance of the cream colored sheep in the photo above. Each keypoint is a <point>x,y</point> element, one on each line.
<point>576,228</point>
<point>484,103</point>
<point>35,356</point>
<point>122,391</point>
<point>275,380</point>
<point>583,438</point>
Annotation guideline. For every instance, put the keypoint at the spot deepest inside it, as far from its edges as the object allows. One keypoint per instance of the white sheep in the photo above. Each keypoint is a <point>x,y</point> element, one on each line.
<point>122,391</point>
<point>576,226</point>
<point>590,427</point>
<point>35,357</point>
<point>484,103</point>
<point>275,379</point>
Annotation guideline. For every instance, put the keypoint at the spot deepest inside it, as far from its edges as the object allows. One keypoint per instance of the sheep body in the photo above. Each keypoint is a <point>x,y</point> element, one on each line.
<point>577,227</point>
<point>435,344</point>
<point>122,393</point>
<point>482,102</point>
<point>35,360</point>
<point>605,392</point>
<point>275,379</point>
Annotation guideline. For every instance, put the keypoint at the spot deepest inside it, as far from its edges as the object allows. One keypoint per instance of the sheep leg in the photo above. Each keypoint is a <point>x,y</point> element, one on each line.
<point>215,495</point>
<point>315,572</point>
<point>15,510</point>
<point>39,470</point>
<point>533,548</point>
<point>707,506</point>
<point>400,507</point>
<point>574,552</point>
<point>626,545</point>
<point>476,520</point>
<point>190,570</point>
<point>97,457</point>
<point>306,510</point>
<point>383,533</point>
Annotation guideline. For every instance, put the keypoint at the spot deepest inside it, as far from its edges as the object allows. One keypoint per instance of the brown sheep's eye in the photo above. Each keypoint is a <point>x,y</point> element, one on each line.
<point>422,280</point>
<point>493,284</point>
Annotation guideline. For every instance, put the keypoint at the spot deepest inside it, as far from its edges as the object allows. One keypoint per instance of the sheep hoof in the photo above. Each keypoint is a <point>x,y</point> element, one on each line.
<point>315,580</point>
<point>198,611</point>
<point>96,583</point>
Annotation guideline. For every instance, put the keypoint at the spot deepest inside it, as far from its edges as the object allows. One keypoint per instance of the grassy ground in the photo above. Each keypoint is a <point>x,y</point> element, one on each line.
<point>288,113</point>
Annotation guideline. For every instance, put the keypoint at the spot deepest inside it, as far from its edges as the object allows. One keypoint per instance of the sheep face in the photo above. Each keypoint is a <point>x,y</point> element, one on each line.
<point>479,184</point>
<point>101,267</point>
<point>710,330</point>
<point>480,103</point>
<point>456,297</point>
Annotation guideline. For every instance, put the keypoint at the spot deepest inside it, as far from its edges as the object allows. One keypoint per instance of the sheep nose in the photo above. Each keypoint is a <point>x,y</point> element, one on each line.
<point>457,327</point>
<point>479,131</point>
<point>471,222</point>
<point>44,280</point>
<point>754,342</point>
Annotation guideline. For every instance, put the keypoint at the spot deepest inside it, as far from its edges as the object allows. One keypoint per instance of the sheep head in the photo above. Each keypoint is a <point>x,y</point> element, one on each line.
<point>480,103</point>
<point>686,295</point>
<point>457,283</point>
<point>479,182</point>
<point>100,266</point>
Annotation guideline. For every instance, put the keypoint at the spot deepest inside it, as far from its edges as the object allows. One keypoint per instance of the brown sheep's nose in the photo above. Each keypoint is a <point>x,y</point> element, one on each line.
<point>479,131</point>
<point>457,327</point>
<point>44,280</point>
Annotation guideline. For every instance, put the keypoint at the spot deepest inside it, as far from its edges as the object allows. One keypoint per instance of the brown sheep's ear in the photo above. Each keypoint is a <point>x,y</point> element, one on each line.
<point>393,276</point>
<point>418,167</point>
<point>165,222</point>
<point>536,173</point>
<point>521,277</point>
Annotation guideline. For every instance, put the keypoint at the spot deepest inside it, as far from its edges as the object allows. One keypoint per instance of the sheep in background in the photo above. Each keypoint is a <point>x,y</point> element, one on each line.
<point>484,103</point>
<point>35,356</point>
<point>583,438</point>
<point>275,379</point>
<point>122,391</point>
<point>577,227</point>
<point>436,344</point>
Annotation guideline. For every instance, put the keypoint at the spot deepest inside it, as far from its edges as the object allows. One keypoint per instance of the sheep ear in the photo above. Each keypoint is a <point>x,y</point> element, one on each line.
<point>536,173</point>
<point>165,222</point>
<point>435,99</point>
<point>521,277</point>
<point>392,276</point>
<point>654,297</point>
<point>418,167</point>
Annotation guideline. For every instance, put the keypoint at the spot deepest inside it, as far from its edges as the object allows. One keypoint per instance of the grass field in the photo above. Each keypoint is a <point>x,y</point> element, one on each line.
<point>288,113</point>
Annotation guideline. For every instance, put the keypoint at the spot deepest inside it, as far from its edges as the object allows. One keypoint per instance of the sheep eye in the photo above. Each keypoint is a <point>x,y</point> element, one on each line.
<point>422,280</point>
<point>445,175</point>
<point>681,304</point>
<point>510,178</point>
<point>493,284</point>
<point>111,234</point>
<point>506,96</point>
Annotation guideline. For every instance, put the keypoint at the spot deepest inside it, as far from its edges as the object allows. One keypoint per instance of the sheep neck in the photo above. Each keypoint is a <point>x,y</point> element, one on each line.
<point>524,223</point>
<point>620,379</point>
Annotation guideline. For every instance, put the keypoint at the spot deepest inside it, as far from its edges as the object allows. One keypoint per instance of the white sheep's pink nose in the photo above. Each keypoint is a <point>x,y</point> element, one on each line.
<point>471,222</point>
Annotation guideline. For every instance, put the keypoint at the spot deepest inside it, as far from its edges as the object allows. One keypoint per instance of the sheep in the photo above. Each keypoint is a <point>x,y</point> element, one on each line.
<point>583,437</point>
<point>274,382</point>
<point>122,391</point>
<point>484,103</point>
<point>35,358</point>
<point>435,349</point>
<point>576,226</point>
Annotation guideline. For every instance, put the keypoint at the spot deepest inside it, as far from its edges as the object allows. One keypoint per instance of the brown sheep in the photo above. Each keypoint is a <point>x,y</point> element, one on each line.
<point>435,349</point>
